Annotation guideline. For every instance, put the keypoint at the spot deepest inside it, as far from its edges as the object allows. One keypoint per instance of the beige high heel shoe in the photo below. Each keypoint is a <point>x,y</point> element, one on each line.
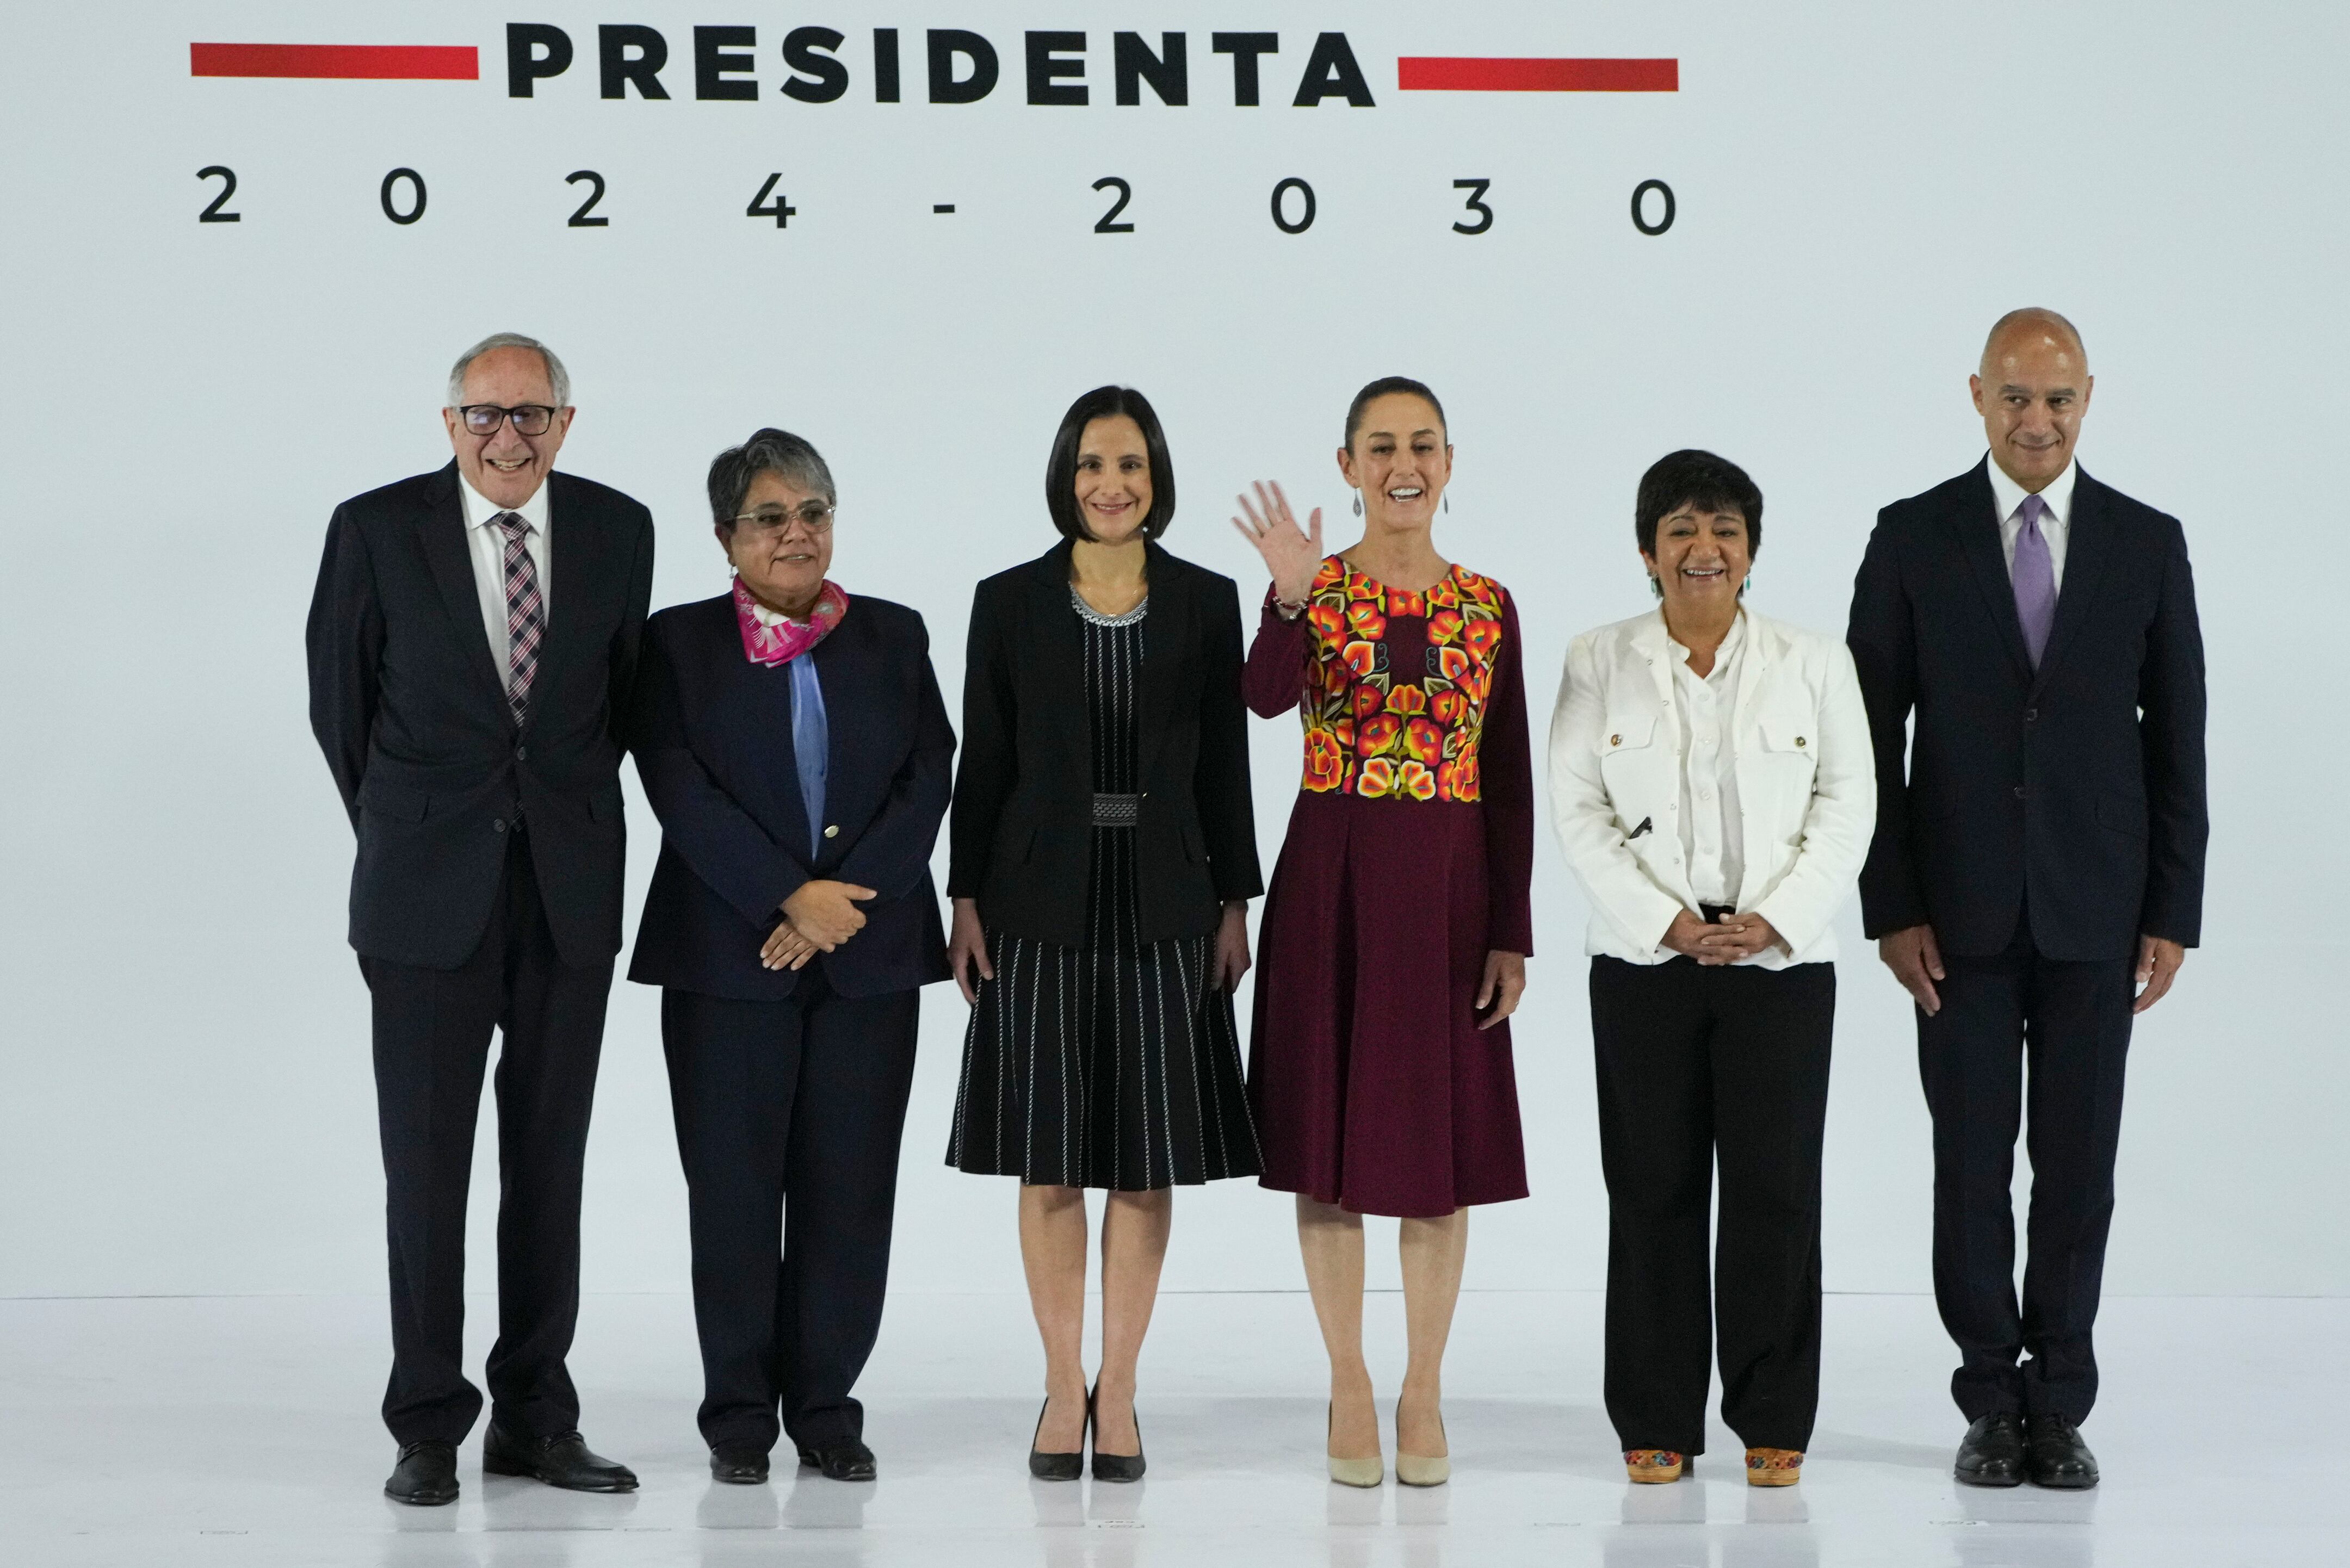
<point>1423,1470</point>
<point>1367,1472</point>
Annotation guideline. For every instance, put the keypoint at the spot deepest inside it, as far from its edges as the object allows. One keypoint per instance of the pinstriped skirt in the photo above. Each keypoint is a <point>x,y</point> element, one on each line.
<point>1116,1064</point>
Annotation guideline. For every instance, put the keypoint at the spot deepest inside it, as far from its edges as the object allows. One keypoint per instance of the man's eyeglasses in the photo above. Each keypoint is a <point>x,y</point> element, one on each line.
<point>815,516</point>
<point>529,419</point>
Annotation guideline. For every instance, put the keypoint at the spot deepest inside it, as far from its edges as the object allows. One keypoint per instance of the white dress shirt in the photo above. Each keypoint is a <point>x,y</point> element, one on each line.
<point>487,541</point>
<point>1710,827</point>
<point>2055,524</point>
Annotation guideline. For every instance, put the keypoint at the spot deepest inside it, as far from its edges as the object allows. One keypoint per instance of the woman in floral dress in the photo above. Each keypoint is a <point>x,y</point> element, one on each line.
<point>1394,936</point>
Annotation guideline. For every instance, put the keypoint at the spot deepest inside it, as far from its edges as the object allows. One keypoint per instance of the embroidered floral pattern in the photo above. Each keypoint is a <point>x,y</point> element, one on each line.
<point>1394,701</point>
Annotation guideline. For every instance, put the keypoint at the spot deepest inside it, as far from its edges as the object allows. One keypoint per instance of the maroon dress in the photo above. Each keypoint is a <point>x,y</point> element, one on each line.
<point>1409,857</point>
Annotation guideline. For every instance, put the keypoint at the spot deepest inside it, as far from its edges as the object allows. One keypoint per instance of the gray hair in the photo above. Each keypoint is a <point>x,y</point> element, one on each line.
<point>790,458</point>
<point>558,379</point>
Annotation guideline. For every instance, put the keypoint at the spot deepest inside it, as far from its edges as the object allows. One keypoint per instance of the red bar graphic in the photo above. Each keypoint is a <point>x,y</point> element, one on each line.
<point>1436,73</point>
<point>373,62</point>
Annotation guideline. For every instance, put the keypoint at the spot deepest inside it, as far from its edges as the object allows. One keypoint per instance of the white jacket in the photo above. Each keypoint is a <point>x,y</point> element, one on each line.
<point>1806,785</point>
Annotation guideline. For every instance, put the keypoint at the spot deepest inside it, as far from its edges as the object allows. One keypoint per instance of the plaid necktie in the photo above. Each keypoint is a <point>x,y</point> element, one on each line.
<point>525,614</point>
<point>2034,575</point>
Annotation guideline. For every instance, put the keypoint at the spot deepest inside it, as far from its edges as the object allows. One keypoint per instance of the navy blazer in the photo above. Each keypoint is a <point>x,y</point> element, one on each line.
<point>715,750</point>
<point>409,705</point>
<point>2075,790</point>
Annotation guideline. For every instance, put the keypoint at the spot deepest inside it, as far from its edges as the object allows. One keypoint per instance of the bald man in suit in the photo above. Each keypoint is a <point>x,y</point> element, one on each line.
<point>2037,872</point>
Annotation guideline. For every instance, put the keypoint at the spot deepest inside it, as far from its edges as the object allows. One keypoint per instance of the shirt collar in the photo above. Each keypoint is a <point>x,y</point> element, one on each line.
<point>1731,640</point>
<point>2007,495</point>
<point>479,509</point>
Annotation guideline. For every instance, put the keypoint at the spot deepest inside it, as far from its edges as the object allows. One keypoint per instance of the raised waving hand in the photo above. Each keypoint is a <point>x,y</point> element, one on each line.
<point>1293,555</point>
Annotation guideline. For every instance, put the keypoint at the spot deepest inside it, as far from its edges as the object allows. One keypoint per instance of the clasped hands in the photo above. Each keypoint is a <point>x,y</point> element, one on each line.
<point>818,919</point>
<point>1713,944</point>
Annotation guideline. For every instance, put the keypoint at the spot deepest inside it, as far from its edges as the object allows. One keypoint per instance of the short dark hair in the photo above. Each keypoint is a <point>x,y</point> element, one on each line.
<point>1380,389</point>
<point>1699,479</point>
<point>769,450</point>
<point>1061,467</point>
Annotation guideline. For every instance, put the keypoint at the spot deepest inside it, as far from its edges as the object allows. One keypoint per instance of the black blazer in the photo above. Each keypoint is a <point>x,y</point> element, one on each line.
<point>1023,830</point>
<point>2075,792</point>
<point>408,702</point>
<point>714,751</point>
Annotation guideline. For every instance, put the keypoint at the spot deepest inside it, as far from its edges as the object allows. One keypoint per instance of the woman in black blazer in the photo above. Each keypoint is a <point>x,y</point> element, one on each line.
<point>1104,855</point>
<point>794,747</point>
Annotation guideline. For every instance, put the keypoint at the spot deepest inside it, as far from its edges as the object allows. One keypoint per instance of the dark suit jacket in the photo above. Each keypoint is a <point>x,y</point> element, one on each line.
<point>408,702</point>
<point>714,751</point>
<point>2075,790</point>
<point>1023,830</point>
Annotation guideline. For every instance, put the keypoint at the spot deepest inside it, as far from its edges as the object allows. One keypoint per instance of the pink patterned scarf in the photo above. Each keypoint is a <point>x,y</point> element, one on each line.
<point>786,639</point>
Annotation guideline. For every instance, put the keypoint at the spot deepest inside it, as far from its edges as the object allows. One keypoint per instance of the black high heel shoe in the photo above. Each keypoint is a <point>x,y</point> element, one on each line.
<point>1058,1467</point>
<point>1116,1467</point>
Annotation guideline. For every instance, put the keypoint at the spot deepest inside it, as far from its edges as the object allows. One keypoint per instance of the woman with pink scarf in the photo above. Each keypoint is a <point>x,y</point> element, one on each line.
<point>792,742</point>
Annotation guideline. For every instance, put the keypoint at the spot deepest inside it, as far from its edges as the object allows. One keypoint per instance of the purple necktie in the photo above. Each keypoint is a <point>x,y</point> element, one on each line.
<point>2035,576</point>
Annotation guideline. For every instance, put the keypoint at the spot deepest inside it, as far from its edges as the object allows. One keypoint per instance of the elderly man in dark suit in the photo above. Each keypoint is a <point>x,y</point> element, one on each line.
<point>472,646</point>
<point>2037,872</point>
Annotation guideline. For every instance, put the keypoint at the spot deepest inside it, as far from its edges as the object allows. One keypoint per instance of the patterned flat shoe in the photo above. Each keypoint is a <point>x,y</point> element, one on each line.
<point>1773,1466</point>
<point>1651,1466</point>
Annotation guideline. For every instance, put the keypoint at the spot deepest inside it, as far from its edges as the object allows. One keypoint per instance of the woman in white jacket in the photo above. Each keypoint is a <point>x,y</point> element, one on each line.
<point>1712,782</point>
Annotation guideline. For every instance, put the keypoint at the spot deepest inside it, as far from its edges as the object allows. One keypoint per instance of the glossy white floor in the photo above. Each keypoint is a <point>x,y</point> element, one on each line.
<point>240,1431</point>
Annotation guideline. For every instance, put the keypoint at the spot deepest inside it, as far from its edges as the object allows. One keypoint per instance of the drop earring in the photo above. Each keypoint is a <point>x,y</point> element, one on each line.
<point>1358,504</point>
<point>1748,585</point>
<point>1656,585</point>
<point>1447,501</point>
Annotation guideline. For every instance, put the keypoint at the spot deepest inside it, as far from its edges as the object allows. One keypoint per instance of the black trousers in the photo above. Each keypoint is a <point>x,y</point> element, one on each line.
<point>432,1034</point>
<point>1698,1068</point>
<point>2071,1022</point>
<point>789,1116</point>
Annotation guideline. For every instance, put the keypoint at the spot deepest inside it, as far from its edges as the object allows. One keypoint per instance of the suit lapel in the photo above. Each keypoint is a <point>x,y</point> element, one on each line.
<point>2088,549</point>
<point>451,558</point>
<point>1977,525</point>
<point>1058,652</point>
<point>1757,666</point>
<point>1753,663</point>
<point>1165,631</point>
<point>573,564</point>
<point>842,673</point>
<point>762,770</point>
<point>1656,645</point>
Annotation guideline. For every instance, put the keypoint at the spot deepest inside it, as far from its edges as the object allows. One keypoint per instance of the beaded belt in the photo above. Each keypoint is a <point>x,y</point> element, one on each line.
<point>1115,810</point>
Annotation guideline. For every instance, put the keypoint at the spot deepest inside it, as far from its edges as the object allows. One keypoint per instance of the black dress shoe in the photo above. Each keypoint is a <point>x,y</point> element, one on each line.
<point>738,1467</point>
<point>1058,1467</point>
<point>561,1460</point>
<point>425,1475</point>
<point>1116,1467</point>
<point>1993,1452</point>
<point>2056,1457</point>
<point>842,1459</point>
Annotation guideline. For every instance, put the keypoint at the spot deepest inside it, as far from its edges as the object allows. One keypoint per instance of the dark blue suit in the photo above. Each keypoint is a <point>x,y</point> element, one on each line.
<point>2047,819</point>
<point>485,896</point>
<point>789,1087</point>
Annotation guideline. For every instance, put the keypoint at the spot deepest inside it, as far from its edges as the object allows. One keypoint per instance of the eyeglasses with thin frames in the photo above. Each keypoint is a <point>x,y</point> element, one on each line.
<point>815,516</point>
<point>529,419</point>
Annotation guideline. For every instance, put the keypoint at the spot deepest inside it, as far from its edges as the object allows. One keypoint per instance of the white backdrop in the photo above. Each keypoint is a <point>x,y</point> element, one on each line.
<point>187,1105</point>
